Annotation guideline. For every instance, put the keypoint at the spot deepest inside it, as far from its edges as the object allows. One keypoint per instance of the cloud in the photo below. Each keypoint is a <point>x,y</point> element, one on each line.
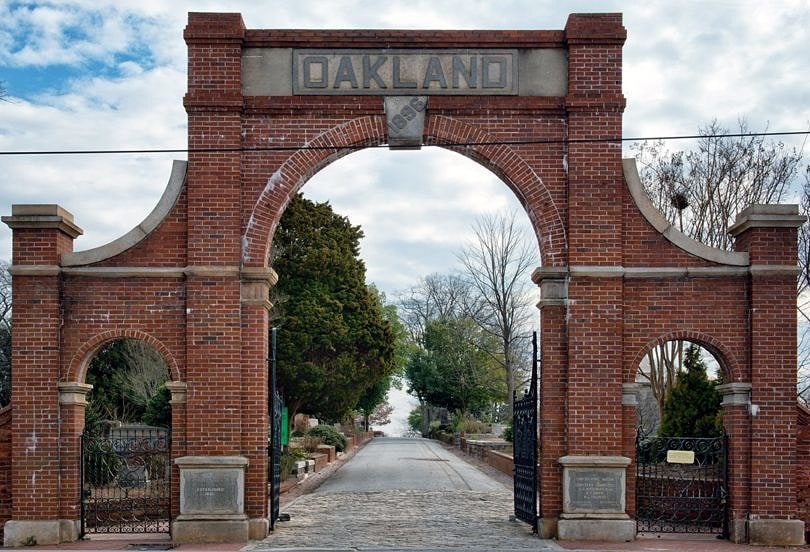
<point>118,78</point>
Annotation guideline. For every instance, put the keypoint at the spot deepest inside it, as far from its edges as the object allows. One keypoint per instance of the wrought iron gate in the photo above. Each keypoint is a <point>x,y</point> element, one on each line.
<point>681,485</point>
<point>274,448</point>
<point>524,431</point>
<point>126,481</point>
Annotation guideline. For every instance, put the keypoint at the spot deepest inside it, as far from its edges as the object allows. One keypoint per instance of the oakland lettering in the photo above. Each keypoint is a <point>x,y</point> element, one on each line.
<point>387,72</point>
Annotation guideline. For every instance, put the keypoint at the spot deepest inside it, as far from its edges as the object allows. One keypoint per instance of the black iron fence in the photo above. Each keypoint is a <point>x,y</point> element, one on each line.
<point>126,481</point>
<point>681,485</point>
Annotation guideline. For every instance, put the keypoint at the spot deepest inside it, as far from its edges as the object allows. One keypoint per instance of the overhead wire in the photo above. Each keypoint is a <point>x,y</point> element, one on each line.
<point>538,141</point>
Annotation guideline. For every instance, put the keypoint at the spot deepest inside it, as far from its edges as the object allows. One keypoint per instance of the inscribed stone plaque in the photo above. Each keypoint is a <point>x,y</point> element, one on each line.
<point>405,72</point>
<point>595,490</point>
<point>211,491</point>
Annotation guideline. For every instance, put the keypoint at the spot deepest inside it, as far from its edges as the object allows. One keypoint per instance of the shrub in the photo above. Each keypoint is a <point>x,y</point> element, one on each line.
<point>415,420</point>
<point>159,409</point>
<point>311,442</point>
<point>471,426</point>
<point>508,434</point>
<point>329,436</point>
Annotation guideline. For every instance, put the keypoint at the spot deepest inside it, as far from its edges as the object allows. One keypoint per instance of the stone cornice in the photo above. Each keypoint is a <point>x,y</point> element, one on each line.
<point>541,276</point>
<point>34,270</point>
<point>42,217</point>
<point>767,216</point>
<point>266,276</point>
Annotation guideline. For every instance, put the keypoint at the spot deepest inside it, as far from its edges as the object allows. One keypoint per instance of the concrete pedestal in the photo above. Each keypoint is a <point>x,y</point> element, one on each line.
<point>39,532</point>
<point>594,499</point>
<point>212,500</point>
<point>776,532</point>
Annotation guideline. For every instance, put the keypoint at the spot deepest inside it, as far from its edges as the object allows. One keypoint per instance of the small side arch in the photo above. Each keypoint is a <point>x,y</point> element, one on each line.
<point>732,371</point>
<point>77,370</point>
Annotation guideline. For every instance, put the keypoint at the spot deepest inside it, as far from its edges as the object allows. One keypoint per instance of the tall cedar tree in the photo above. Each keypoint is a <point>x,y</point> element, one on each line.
<point>693,406</point>
<point>333,342</point>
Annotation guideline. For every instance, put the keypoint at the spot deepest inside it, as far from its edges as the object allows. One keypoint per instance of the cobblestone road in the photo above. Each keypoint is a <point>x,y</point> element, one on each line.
<point>402,520</point>
<point>430,517</point>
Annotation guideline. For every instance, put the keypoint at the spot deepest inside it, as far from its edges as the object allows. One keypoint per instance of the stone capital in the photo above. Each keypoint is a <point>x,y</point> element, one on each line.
<point>178,390</point>
<point>44,217</point>
<point>73,392</point>
<point>553,282</point>
<point>735,394</point>
<point>767,216</point>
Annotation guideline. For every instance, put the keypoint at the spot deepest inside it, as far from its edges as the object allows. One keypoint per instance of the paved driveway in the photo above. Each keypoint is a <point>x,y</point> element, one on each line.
<point>404,494</point>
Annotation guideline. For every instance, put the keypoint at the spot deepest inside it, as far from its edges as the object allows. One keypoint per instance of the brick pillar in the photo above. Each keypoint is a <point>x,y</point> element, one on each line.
<point>769,234</point>
<point>179,390</point>
<point>595,421</point>
<point>256,284</point>
<point>214,375</point>
<point>630,398</point>
<point>737,424</point>
<point>41,233</point>
<point>554,363</point>
<point>72,404</point>
<point>596,186</point>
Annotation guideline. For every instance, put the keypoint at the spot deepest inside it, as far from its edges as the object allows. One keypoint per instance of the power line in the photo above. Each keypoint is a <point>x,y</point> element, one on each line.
<point>444,144</point>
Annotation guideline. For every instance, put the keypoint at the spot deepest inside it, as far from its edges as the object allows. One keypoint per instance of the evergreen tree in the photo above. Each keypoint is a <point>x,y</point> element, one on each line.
<point>333,341</point>
<point>693,407</point>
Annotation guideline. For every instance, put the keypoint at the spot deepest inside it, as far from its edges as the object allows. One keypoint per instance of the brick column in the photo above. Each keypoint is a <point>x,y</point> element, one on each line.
<point>553,376</point>
<point>72,404</point>
<point>630,398</point>
<point>769,234</point>
<point>179,390</point>
<point>41,233</point>
<point>214,376</point>
<point>595,185</point>
<point>736,421</point>
<point>256,284</point>
<point>593,406</point>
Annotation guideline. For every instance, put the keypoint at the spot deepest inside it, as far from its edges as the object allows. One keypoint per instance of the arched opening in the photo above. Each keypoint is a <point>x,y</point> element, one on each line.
<point>126,443</point>
<point>658,375</point>
<point>405,255</point>
<point>681,444</point>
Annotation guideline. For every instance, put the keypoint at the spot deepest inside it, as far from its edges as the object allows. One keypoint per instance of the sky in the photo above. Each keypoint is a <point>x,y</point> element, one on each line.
<point>111,74</point>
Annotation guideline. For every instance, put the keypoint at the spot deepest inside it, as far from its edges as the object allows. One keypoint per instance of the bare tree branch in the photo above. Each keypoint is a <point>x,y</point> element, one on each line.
<point>703,190</point>
<point>497,266</point>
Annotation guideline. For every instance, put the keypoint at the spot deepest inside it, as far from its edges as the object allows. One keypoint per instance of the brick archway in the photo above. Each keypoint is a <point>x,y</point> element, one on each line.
<point>77,369</point>
<point>266,110</point>
<point>502,160</point>
<point>723,355</point>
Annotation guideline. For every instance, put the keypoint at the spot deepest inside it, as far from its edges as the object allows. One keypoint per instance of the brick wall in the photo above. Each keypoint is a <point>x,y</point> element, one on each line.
<point>502,462</point>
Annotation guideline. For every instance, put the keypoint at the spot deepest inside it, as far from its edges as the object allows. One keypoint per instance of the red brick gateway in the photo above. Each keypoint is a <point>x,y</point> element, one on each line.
<point>268,109</point>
